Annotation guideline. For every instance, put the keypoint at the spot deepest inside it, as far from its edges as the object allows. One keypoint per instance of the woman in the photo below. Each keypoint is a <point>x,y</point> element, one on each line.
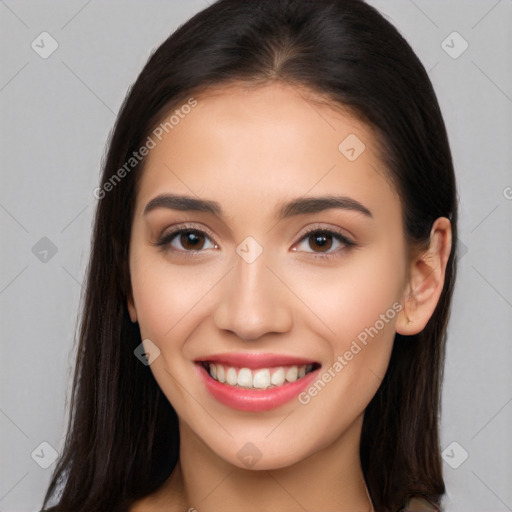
<point>271,272</point>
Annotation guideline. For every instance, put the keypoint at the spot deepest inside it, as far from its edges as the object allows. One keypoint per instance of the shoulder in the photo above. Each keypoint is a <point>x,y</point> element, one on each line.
<point>419,504</point>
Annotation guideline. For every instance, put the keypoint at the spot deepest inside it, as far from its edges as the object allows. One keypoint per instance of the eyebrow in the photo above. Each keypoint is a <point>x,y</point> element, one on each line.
<point>297,206</point>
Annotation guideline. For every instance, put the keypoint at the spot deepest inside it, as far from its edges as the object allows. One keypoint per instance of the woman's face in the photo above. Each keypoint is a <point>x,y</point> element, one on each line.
<point>261,279</point>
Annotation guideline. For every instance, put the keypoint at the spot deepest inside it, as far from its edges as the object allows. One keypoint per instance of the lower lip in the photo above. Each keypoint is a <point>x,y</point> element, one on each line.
<point>255,399</point>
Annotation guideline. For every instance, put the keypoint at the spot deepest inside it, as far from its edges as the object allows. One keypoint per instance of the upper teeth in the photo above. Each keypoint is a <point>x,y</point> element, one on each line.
<point>262,378</point>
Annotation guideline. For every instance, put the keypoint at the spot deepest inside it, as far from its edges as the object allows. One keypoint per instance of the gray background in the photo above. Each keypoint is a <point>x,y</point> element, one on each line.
<point>56,114</point>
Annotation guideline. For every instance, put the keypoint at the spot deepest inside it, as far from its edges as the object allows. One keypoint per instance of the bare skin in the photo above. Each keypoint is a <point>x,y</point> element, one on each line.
<point>251,150</point>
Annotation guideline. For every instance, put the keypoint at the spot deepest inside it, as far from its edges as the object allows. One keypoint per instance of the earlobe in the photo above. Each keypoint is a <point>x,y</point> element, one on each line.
<point>131,308</point>
<point>426,280</point>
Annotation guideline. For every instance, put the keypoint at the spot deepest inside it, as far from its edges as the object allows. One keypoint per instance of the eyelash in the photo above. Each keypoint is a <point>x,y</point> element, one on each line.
<point>165,241</point>
<point>336,235</point>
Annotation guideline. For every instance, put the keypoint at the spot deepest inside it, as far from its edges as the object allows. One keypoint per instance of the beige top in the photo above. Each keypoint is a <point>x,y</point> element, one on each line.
<point>418,504</point>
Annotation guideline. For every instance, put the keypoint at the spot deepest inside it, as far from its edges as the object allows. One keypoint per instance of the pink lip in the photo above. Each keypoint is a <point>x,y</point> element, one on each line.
<point>255,400</point>
<point>255,360</point>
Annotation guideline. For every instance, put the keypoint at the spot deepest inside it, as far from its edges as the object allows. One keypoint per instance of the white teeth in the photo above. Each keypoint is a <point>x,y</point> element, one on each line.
<point>244,378</point>
<point>262,378</point>
<point>221,375</point>
<point>231,377</point>
<point>277,378</point>
<point>291,374</point>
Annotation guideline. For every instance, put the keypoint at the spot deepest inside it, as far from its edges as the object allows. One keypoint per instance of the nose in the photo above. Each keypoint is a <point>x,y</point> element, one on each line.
<point>253,301</point>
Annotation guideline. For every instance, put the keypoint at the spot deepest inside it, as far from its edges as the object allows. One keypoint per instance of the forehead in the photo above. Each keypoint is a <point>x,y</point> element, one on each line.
<point>264,143</point>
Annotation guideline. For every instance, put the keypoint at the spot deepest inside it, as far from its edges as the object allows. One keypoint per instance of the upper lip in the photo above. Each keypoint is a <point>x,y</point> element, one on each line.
<point>254,360</point>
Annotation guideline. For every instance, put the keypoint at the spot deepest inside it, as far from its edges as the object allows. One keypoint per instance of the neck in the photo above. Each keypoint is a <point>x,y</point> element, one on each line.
<point>330,479</point>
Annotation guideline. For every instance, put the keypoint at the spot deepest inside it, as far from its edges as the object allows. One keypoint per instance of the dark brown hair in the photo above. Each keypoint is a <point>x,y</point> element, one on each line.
<point>122,439</point>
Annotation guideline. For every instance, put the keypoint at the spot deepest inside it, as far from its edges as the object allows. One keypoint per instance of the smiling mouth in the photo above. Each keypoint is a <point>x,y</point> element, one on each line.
<point>261,378</point>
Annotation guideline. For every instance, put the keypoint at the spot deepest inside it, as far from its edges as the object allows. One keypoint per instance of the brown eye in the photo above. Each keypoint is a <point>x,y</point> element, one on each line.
<point>192,240</point>
<point>320,242</point>
<point>186,241</point>
<point>324,243</point>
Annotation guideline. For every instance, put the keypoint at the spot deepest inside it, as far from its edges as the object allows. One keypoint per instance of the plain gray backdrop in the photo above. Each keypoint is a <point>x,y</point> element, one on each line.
<point>56,113</point>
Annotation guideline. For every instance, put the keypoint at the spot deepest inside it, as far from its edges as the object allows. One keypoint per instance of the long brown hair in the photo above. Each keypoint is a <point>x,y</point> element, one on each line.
<point>122,440</point>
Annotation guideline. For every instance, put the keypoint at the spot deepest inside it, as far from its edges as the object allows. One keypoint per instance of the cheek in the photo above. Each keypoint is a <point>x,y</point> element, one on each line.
<point>167,296</point>
<point>352,297</point>
<point>169,300</point>
<point>360,351</point>
<point>359,304</point>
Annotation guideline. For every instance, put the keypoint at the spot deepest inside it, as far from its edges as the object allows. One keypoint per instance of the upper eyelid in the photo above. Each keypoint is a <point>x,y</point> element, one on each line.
<point>308,229</point>
<point>175,230</point>
<point>336,231</point>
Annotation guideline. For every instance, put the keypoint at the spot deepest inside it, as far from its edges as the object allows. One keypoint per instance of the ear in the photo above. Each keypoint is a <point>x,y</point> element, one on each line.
<point>131,307</point>
<point>426,280</point>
